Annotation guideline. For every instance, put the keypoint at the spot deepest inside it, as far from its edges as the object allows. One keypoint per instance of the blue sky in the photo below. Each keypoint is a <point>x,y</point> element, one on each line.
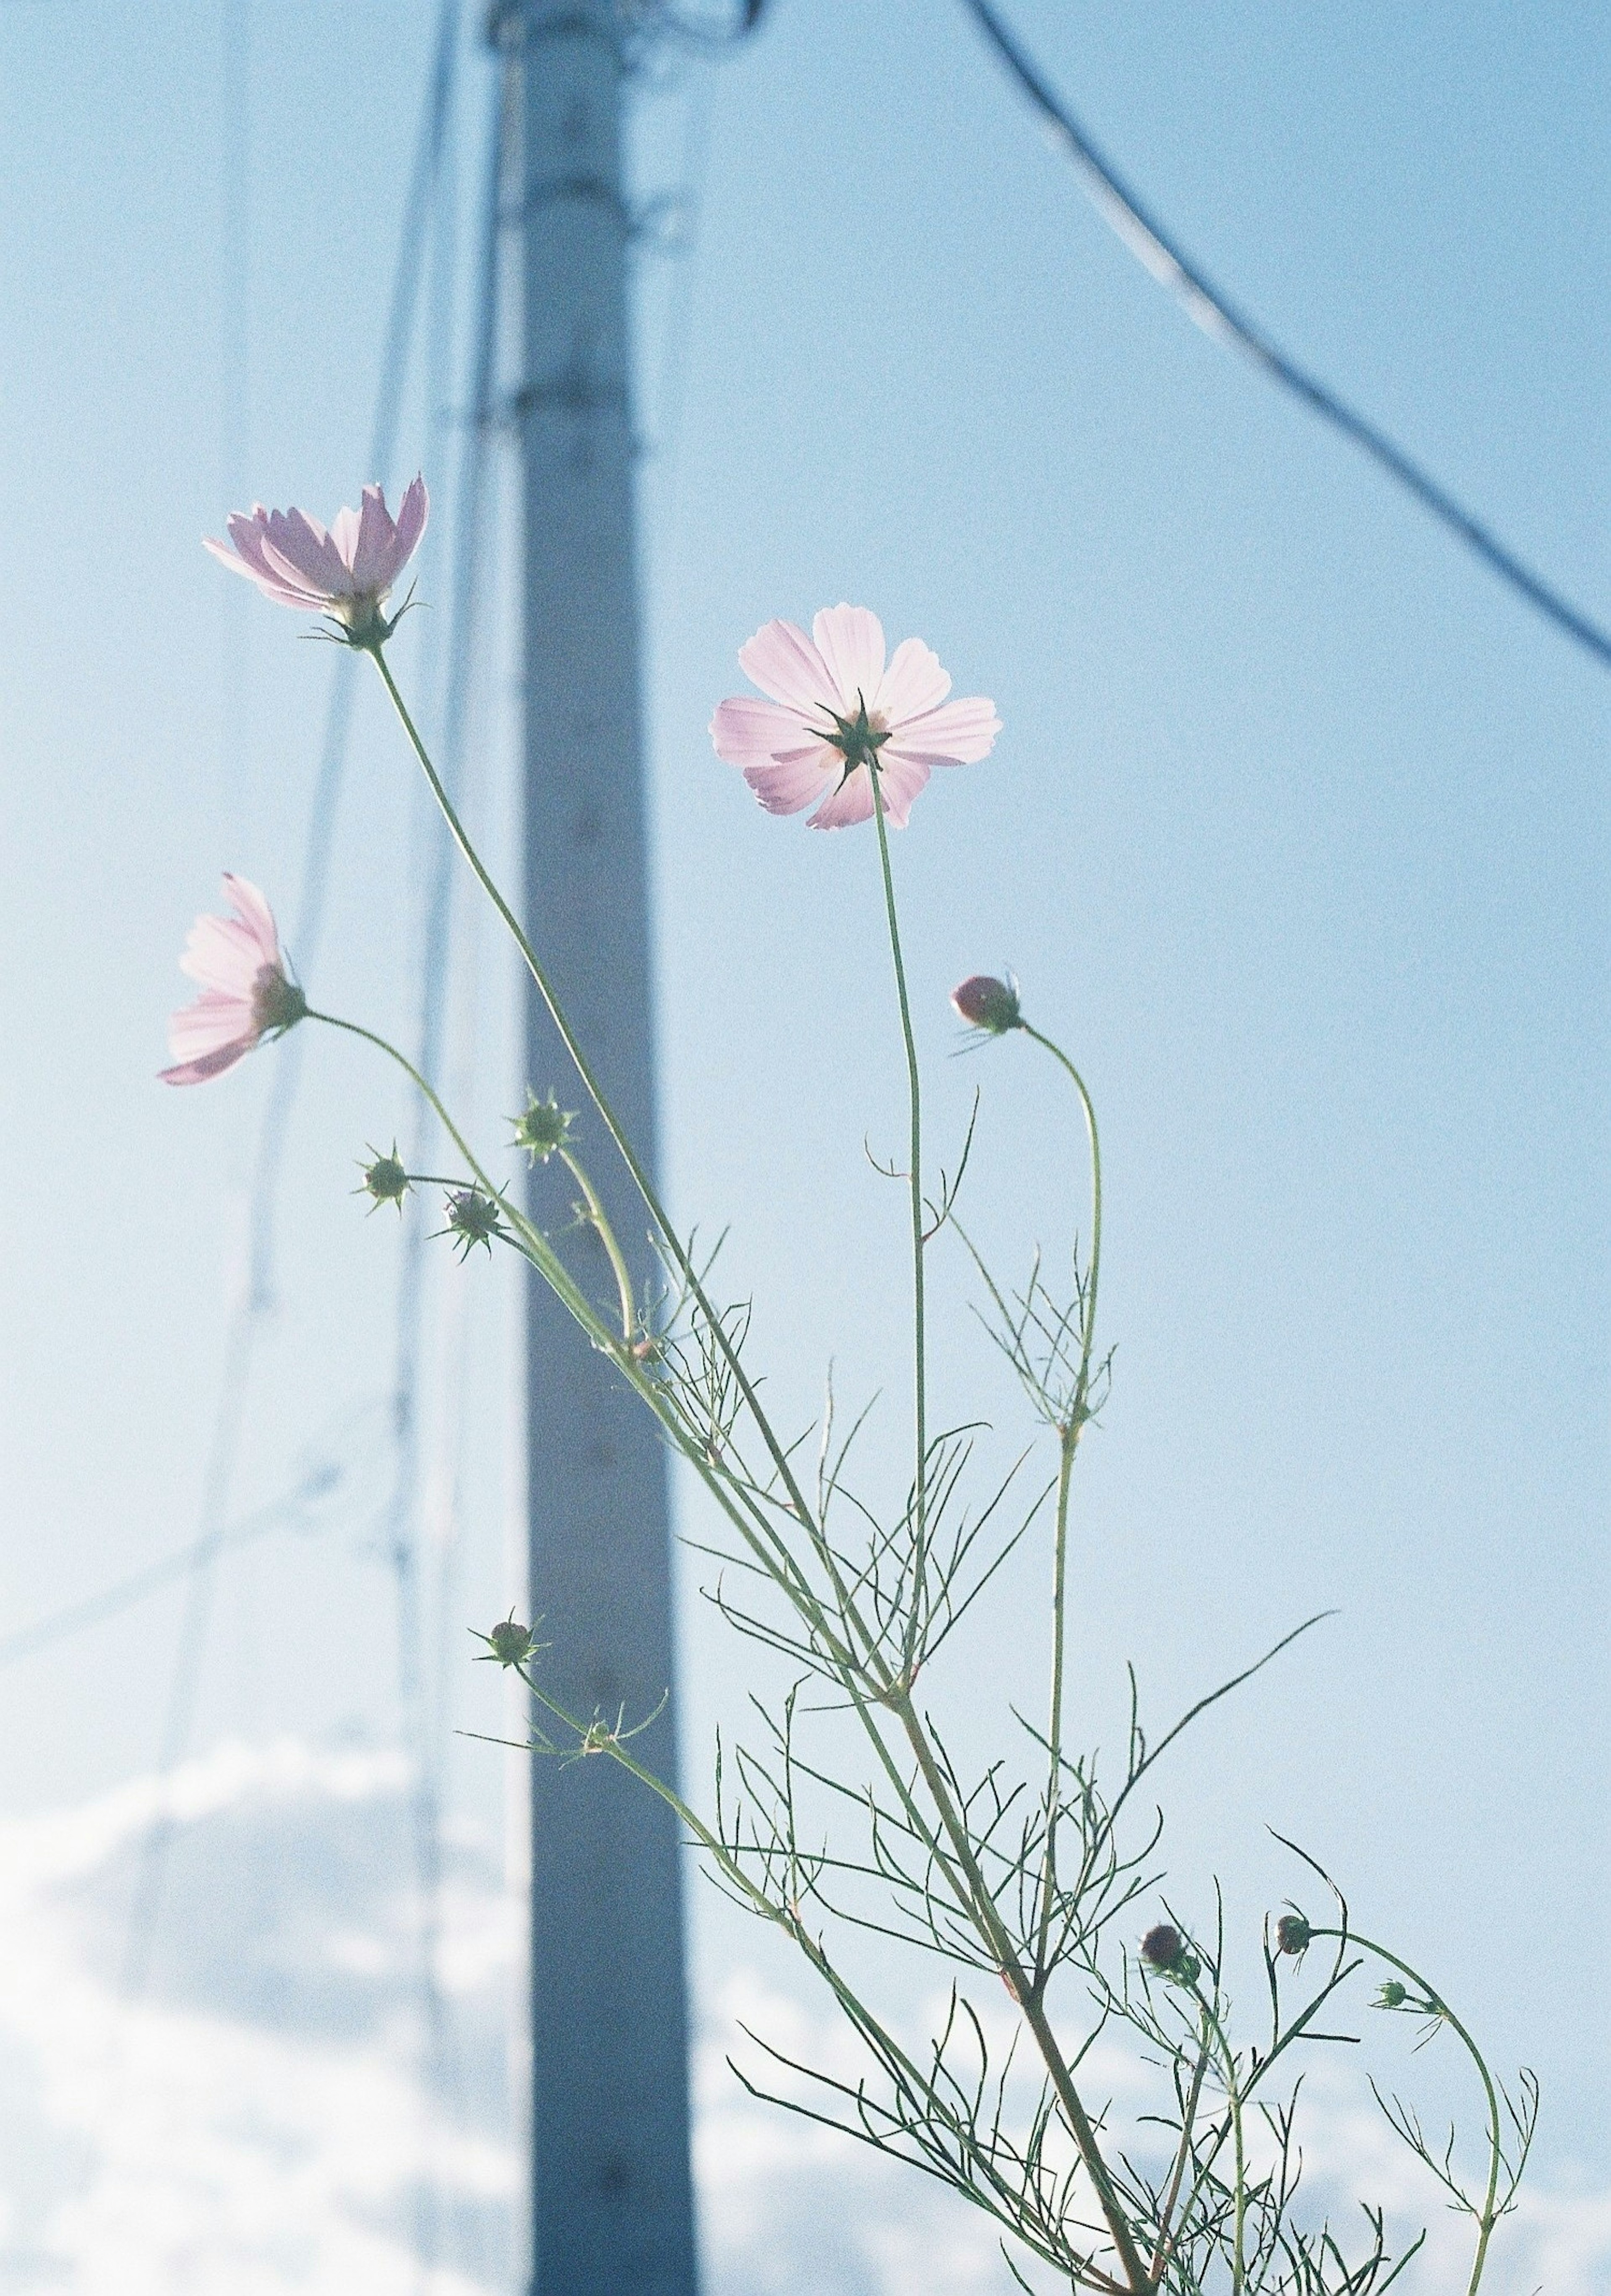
<point>1295,835</point>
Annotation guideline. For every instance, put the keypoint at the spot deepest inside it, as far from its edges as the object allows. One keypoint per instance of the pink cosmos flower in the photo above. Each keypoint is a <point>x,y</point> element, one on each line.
<point>247,992</point>
<point>833,707</point>
<point>347,572</point>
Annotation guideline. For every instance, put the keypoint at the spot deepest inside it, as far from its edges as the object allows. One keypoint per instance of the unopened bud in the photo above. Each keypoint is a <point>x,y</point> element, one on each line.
<point>1292,1934</point>
<point>1165,1950</point>
<point>987,1003</point>
<point>1392,1995</point>
<point>545,1127</point>
<point>509,1642</point>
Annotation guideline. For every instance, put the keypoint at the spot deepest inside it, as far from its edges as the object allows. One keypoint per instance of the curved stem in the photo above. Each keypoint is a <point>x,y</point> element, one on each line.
<point>1489,2215</point>
<point>640,1177</point>
<point>1094,1265</point>
<point>914,1096</point>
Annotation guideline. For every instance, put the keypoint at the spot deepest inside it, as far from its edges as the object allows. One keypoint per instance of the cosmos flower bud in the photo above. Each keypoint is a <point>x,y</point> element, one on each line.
<point>1292,1934</point>
<point>384,1179</point>
<point>472,1219</point>
<point>545,1127</point>
<point>986,1004</point>
<point>1392,1995</point>
<point>509,1642</point>
<point>1165,1950</point>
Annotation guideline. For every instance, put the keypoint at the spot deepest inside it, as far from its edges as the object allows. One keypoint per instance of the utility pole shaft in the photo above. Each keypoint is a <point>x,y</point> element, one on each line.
<point>612,2197</point>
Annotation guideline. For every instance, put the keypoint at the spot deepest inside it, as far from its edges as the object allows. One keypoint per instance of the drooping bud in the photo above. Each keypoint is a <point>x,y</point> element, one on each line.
<point>1292,1934</point>
<point>472,1219</point>
<point>1165,1950</point>
<point>986,1004</point>
<point>386,1179</point>
<point>1392,1995</point>
<point>545,1127</point>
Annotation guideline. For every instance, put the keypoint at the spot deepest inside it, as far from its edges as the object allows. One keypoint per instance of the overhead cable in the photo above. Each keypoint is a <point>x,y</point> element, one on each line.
<point>246,1318</point>
<point>1221,319</point>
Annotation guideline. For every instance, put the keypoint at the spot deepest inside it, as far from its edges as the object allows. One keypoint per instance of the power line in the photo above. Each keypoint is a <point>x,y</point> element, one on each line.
<point>246,1318</point>
<point>319,1480</point>
<point>1221,319</point>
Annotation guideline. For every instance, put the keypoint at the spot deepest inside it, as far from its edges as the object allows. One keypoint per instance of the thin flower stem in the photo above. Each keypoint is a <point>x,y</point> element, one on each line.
<point>1069,1437</point>
<point>1160,2255</point>
<point>606,1236</point>
<point>352,1028</point>
<point>1489,2215</point>
<point>640,1177</point>
<point>1234,2092</point>
<point>914,1092</point>
<point>1094,1265</point>
<point>1068,1443</point>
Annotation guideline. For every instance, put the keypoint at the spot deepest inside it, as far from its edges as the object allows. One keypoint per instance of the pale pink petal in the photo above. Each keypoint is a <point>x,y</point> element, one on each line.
<point>745,730</point>
<point>246,535</point>
<point>255,913</point>
<point>789,784</point>
<point>271,584</point>
<point>223,954</point>
<point>913,681</point>
<point>957,734</point>
<point>208,1065</point>
<point>345,534</point>
<point>410,526</point>
<point>783,662</point>
<point>851,642</point>
<point>899,779</point>
<point>213,1020</point>
<point>851,802</point>
<point>298,548</point>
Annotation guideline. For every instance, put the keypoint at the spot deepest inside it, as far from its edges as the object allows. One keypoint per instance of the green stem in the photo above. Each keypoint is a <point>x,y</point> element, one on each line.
<point>994,1931</point>
<point>606,1236</point>
<point>1069,1445</point>
<point>1160,2256</point>
<point>1489,2215</point>
<point>1239,2265</point>
<point>640,1177</point>
<point>914,1096</point>
<point>1069,1437</point>
<point>1094,1265</point>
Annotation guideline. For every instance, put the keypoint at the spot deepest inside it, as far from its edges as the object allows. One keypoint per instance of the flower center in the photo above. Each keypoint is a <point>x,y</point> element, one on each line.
<point>859,739</point>
<point>277,1003</point>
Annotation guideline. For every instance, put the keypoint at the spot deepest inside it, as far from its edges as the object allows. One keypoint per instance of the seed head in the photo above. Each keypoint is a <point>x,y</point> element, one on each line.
<point>472,1219</point>
<point>386,1180</point>
<point>545,1127</point>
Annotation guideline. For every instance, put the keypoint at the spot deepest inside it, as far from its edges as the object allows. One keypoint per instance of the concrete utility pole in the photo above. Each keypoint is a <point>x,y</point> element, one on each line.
<point>612,2196</point>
